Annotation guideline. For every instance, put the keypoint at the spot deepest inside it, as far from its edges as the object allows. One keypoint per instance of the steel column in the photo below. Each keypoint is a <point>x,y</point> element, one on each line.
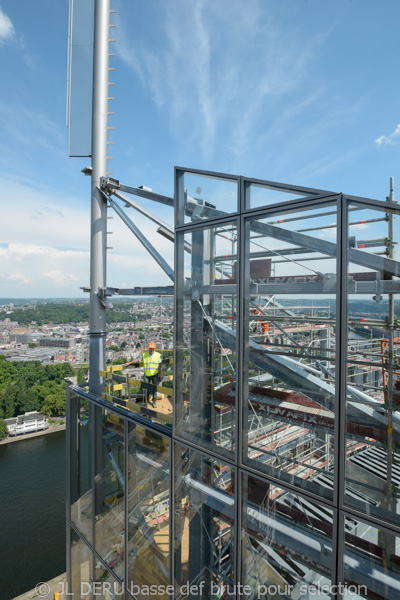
<point>98,233</point>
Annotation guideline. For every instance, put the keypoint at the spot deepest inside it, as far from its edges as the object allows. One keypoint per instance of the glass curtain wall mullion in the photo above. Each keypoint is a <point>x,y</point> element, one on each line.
<point>245,327</point>
<point>239,388</point>
<point>341,310</point>
<point>93,409</point>
<point>171,462</point>
<point>70,412</point>
<point>70,450</point>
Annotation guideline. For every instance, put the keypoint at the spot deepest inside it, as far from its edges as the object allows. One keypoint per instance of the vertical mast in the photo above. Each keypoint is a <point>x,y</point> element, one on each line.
<point>98,234</point>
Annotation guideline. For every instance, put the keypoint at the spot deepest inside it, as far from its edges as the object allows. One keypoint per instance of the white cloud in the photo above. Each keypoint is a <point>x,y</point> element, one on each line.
<point>7,30</point>
<point>385,140</point>
<point>330,233</point>
<point>207,75</point>
<point>45,245</point>
<point>60,278</point>
<point>37,270</point>
<point>15,278</point>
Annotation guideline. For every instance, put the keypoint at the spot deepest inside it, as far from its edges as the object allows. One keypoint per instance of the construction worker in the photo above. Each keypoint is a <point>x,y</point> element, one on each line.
<point>152,368</point>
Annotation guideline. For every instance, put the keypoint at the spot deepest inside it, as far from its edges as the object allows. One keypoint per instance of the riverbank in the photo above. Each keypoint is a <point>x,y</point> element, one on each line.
<point>26,436</point>
<point>46,590</point>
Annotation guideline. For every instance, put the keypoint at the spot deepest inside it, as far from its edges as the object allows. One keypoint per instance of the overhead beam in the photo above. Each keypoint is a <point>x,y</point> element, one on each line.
<point>111,185</point>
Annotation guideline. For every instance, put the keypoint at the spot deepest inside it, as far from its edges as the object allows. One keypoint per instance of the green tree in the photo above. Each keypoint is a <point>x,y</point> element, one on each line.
<point>27,401</point>
<point>113,347</point>
<point>54,404</point>
<point>8,372</point>
<point>3,429</point>
<point>7,401</point>
<point>81,375</point>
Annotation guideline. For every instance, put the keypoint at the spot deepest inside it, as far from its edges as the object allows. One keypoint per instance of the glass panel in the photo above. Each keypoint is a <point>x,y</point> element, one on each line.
<point>286,543</point>
<point>148,512</point>
<point>205,367</point>
<point>81,568</point>
<point>204,526</point>
<point>80,452</point>
<point>373,364</point>
<point>106,587</point>
<point>109,492</point>
<point>205,197</point>
<point>289,354</point>
<point>371,562</point>
<point>264,194</point>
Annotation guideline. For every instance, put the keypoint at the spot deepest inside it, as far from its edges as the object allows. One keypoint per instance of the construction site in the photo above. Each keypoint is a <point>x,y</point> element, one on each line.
<point>270,468</point>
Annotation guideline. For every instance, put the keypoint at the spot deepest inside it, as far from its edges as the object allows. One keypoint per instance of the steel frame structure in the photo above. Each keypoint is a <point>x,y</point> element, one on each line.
<point>284,366</point>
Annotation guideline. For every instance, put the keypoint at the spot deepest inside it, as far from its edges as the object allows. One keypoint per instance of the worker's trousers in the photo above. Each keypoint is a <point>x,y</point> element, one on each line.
<point>155,380</point>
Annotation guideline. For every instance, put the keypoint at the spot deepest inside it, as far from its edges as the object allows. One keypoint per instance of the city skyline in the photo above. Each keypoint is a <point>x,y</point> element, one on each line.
<point>296,92</point>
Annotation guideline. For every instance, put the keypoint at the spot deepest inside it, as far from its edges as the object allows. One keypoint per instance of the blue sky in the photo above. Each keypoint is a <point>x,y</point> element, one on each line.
<point>300,91</point>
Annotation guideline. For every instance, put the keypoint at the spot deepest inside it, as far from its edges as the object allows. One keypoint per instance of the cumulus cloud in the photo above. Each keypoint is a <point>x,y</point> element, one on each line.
<point>15,278</point>
<point>385,140</point>
<point>46,249</point>
<point>38,270</point>
<point>61,278</point>
<point>7,30</point>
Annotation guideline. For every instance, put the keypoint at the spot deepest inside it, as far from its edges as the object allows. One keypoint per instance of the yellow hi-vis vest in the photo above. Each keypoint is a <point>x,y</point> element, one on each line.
<point>150,363</point>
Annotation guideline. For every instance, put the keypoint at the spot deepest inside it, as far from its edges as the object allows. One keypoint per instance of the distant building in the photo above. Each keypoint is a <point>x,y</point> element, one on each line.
<point>82,353</point>
<point>27,423</point>
<point>50,342</point>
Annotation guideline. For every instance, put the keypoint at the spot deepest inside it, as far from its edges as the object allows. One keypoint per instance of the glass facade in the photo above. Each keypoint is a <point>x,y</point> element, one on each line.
<point>274,473</point>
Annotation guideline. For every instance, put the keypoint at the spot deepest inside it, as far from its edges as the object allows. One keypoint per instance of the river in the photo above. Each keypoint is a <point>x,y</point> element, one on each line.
<point>32,513</point>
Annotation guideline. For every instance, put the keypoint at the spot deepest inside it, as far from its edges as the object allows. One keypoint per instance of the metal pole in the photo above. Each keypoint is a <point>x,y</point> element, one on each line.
<point>98,233</point>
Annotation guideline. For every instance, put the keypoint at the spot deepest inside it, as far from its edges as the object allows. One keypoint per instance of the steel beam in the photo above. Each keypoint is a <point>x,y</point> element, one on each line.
<point>143,240</point>
<point>167,290</point>
<point>112,185</point>
<point>358,257</point>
